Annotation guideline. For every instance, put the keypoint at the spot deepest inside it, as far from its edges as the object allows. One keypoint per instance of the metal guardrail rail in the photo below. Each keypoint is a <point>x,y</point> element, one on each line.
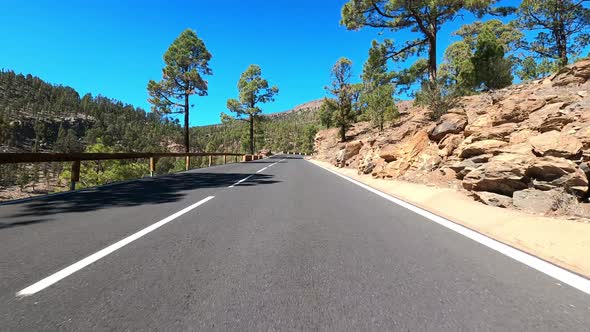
<point>14,158</point>
<point>77,158</point>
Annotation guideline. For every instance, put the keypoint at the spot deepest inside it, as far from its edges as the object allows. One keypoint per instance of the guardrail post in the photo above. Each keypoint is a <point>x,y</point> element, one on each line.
<point>75,176</point>
<point>210,160</point>
<point>152,166</point>
<point>224,159</point>
<point>187,163</point>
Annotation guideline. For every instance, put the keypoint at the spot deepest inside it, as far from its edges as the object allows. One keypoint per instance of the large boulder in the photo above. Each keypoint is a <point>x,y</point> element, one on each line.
<point>463,167</point>
<point>550,117</point>
<point>537,201</point>
<point>408,150</point>
<point>522,136</point>
<point>516,108</point>
<point>350,150</point>
<point>556,144</point>
<point>480,147</point>
<point>479,123</point>
<point>551,172</point>
<point>448,144</point>
<point>367,164</point>
<point>502,174</point>
<point>416,154</point>
<point>450,123</point>
<point>576,73</point>
<point>501,132</point>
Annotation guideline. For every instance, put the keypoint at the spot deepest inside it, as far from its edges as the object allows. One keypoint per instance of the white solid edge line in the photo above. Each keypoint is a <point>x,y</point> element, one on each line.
<point>52,279</point>
<point>242,180</point>
<point>538,264</point>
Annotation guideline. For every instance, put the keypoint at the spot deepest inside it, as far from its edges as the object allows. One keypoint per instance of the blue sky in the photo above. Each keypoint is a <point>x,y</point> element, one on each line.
<point>114,47</point>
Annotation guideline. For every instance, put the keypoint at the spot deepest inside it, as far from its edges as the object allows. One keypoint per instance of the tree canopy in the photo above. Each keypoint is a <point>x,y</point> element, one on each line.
<point>187,61</point>
<point>562,26</point>
<point>422,18</point>
<point>340,108</point>
<point>253,90</point>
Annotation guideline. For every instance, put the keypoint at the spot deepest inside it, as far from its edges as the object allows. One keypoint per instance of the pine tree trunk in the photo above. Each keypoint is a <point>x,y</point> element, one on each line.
<point>343,133</point>
<point>432,59</point>
<point>251,134</point>
<point>186,108</point>
<point>560,35</point>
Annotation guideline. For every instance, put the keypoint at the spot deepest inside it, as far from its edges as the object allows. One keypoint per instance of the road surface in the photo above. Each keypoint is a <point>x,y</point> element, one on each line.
<point>292,247</point>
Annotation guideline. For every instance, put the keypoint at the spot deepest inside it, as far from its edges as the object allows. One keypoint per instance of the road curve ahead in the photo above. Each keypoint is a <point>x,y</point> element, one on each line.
<point>274,244</point>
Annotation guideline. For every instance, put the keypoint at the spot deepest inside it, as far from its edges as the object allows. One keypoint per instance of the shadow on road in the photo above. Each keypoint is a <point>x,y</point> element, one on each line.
<point>157,190</point>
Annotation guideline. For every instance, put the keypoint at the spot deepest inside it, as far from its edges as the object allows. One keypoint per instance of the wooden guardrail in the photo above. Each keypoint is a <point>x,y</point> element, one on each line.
<point>76,158</point>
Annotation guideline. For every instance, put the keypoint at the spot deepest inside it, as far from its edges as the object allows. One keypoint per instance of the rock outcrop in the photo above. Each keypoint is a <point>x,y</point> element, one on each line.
<point>526,146</point>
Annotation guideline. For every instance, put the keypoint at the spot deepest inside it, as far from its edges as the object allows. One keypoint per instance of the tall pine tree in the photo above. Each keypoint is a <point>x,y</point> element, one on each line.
<point>187,61</point>
<point>253,89</point>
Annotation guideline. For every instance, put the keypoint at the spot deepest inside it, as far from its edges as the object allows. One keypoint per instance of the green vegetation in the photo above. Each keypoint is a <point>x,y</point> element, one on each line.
<point>487,57</point>
<point>483,59</point>
<point>491,69</point>
<point>93,173</point>
<point>187,59</point>
<point>423,18</point>
<point>253,90</point>
<point>378,104</point>
<point>339,109</point>
<point>561,26</point>
<point>531,70</point>
<point>543,36</point>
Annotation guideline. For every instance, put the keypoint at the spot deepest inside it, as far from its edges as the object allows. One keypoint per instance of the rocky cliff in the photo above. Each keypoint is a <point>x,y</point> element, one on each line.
<point>526,146</point>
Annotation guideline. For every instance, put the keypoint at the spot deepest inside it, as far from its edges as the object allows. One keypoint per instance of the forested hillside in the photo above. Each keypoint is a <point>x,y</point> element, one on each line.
<point>36,116</point>
<point>39,117</point>
<point>292,130</point>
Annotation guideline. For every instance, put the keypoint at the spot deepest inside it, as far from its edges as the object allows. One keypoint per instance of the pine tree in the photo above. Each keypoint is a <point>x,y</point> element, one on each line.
<point>379,106</point>
<point>458,71</point>
<point>341,106</point>
<point>530,69</point>
<point>492,69</point>
<point>253,89</point>
<point>187,61</point>
<point>562,26</point>
<point>421,18</point>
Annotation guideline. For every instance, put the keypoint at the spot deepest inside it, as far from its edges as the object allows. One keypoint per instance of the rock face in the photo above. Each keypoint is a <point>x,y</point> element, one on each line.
<point>481,147</point>
<point>450,123</point>
<point>550,173</point>
<point>555,144</point>
<point>503,174</point>
<point>516,108</point>
<point>525,146</point>
<point>418,153</point>
<point>577,73</point>
<point>350,150</point>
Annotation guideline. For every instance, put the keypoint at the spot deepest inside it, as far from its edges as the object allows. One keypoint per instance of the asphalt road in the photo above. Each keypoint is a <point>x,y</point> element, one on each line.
<point>293,247</point>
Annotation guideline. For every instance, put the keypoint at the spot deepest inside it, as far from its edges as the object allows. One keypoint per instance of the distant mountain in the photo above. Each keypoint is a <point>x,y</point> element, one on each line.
<point>310,106</point>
